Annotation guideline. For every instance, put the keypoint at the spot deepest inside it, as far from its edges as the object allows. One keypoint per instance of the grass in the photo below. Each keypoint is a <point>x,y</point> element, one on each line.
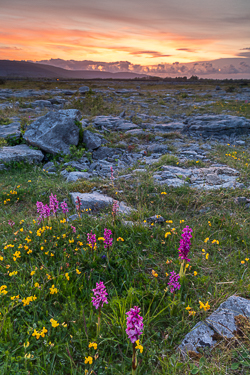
<point>127,275</point>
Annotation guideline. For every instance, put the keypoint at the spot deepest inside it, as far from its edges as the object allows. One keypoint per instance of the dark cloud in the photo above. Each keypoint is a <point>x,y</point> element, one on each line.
<point>245,49</point>
<point>186,50</point>
<point>246,54</point>
<point>152,53</point>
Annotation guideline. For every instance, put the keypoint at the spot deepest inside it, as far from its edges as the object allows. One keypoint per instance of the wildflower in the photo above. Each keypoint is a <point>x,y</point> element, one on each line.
<point>154,273</point>
<point>53,203</point>
<point>78,272</point>
<point>73,229</point>
<point>166,274</point>
<point>120,239</point>
<point>108,240</point>
<point>93,345</point>
<point>205,307</point>
<point>209,223</point>
<point>173,282</point>
<point>26,345</point>
<point>203,250</point>
<point>182,221</point>
<point>67,276</point>
<point>36,285</point>
<point>100,295</point>
<point>169,221</point>
<point>215,241</point>
<point>247,259</point>
<point>115,208</point>
<point>32,273</point>
<point>101,239</point>
<point>206,239</point>
<point>64,324</point>
<point>139,346</point>
<point>64,207</point>
<point>195,273</point>
<point>36,334</point>
<point>242,262</point>
<point>53,290</point>
<point>188,308</point>
<point>134,324</point>
<point>88,360</point>
<point>11,223</point>
<point>163,193</point>
<point>185,243</point>
<point>191,312</point>
<point>91,238</point>
<point>167,234</point>
<point>54,323</point>
<point>207,255</point>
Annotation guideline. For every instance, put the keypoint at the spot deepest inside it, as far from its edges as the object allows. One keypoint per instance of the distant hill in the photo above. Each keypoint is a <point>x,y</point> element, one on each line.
<point>22,69</point>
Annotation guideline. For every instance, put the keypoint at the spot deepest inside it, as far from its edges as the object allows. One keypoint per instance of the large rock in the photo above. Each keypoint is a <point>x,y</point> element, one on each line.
<point>221,323</point>
<point>92,140</point>
<point>82,90</point>
<point>20,153</point>
<point>55,132</point>
<point>114,123</point>
<point>74,176</point>
<point>96,202</point>
<point>105,152</point>
<point>217,125</point>
<point>10,131</point>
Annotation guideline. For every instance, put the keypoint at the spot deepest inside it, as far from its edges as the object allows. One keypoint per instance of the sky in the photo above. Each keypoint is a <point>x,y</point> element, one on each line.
<point>141,32</point>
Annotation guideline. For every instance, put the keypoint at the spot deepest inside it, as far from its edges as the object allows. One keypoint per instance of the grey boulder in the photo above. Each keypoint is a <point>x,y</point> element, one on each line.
<point>83,89</point>
<point>74,176</point>
<point>10,131</point>
<point>96,202</point>
<point>92,140</point>
<point>20,153</point>
<point>55,132</point>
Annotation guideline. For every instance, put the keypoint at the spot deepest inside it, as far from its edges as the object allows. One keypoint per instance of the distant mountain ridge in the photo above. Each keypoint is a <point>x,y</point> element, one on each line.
<point>23,69</point>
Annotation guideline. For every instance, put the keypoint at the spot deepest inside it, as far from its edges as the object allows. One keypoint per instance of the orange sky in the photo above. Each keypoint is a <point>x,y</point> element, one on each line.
<point>163,31</point>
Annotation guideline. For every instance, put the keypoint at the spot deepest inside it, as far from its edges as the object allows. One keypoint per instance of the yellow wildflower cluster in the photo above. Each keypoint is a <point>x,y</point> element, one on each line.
<point>53,290</point>
<point>41,333</point>
<point>88,360</point>
<point>190,311</point>
<point>205,307</point>
<point>7,246</point>
<point>215,241</point>
<point>2,289</point>
<point>13,273</point>
<point>26,301</point>
<point>16,255</point>
<point>14,297</point>
<point>154,273</point>
<point>54,323</point>
<point>120,239</point>
<point>139,346</point>
<point>93,345</point>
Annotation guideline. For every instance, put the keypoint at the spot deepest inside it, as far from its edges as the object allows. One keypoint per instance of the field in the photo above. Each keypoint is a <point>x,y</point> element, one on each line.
<point>48,268</point>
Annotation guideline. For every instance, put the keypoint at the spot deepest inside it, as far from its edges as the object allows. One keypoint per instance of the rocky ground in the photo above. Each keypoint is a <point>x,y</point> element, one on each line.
<point>184,123</point>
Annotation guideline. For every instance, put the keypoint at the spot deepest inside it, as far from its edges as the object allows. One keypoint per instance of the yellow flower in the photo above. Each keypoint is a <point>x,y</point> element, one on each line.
<point>88,360</point>
<point>182,221</point>
<point>195,273</point>
<point>26,344</point>
<point>93,345</point>
<point>154,273</point>
<point>169,221</point>
<point>206,239</point>
<point>205,307</point>
<point>21,229</point>
<point>36,334</point>
<point>78,272</point>
<point>120,239</point>
<point>188,308</point>
<point>1,258</point>
<point>166,274</point>
<point>36,285</point>
<point>167,234</point>
<point>209,223</point>
<point>192,312</point>
<point>207,255</point>
<point>53,290</point>
<point>242,262</point>
<point>139,346</point>
<point>54,323</point>
<point>101,239</point>
<point>215,241</point>
<point>67,276</point>
<point>203,250</point>
<point>64,324</point>
<point>32,273</point>
<point>247,259</point>
<point>163,193</point>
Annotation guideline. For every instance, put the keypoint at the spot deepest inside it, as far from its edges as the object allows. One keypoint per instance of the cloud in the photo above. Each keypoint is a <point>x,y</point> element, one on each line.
<point>245,49</point>
<point>152,53</point>
<point>223,67</point>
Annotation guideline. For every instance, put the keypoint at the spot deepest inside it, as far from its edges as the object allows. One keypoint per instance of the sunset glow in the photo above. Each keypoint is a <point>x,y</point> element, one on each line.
<point>145,33</point>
